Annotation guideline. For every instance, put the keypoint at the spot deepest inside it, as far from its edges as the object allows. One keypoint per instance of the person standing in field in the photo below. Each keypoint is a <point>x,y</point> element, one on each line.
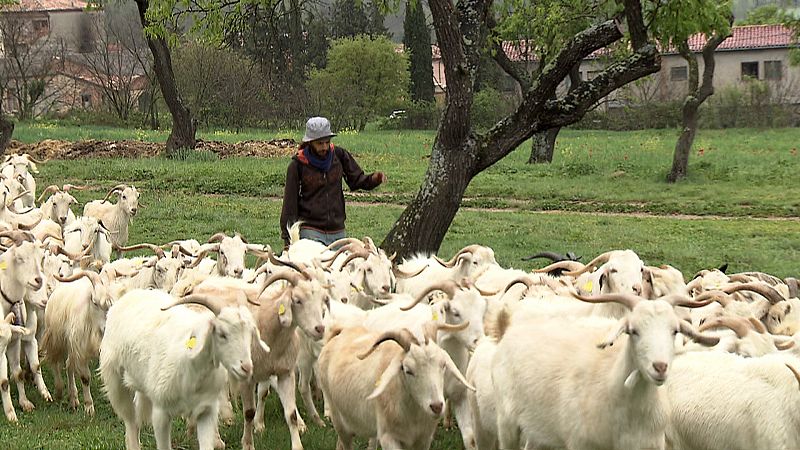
<point>313,191</point>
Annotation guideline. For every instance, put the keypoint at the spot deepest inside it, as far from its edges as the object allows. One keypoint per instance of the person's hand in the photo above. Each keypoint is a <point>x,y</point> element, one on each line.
<point>379,177</point>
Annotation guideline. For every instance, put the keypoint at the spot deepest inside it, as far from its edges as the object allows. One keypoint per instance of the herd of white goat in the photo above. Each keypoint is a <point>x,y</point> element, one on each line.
<point>613,354</point>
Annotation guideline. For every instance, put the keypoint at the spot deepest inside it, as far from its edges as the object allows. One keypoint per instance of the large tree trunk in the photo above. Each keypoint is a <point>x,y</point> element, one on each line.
<point>6,131</point>
<point>459,154</point>
<point>543,145</point>
<point>680,160</point>
<point>183,126</point>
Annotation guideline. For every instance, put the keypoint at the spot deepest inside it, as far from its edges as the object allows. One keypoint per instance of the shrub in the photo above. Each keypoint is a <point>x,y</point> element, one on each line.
<point>489,106</point>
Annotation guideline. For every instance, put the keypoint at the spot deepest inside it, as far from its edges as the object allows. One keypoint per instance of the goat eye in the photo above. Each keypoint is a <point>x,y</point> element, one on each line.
<point>633,332</point>
<point>223,336</point>
<point>674,332</point>
<point>408,372</point>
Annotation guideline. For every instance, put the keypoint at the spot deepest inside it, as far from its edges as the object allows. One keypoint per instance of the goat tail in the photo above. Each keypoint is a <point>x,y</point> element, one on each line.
<point>294,232</point>
<point>497,323</point>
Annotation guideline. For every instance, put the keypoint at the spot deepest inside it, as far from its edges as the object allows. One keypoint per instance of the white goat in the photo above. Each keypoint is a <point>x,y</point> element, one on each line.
<point>173,360</point>
<point>115,217</point>
<point>57,206</point>
<point>75,318</point>
<point>721,401</point>
<point>390,392</point>
<point>7,332</point>
<point>592,398</point>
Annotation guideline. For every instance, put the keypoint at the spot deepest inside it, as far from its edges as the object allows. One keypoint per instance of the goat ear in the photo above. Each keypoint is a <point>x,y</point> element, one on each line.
<point>451,366</point>
<point>391,371</point>
<point>602,282</point>
<point>196,341</point>
<point>622,327</point>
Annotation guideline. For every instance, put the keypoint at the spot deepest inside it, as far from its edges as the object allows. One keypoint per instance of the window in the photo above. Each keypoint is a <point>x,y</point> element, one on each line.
<point>679,73</point>
<point>750,69</point>
<point>773,70</point>
<point>590,74</point>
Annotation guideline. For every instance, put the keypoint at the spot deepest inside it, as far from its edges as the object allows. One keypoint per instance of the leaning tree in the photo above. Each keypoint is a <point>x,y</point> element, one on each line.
<point>460,152</point>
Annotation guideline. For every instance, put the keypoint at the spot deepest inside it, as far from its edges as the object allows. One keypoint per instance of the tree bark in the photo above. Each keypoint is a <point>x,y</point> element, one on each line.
<point>459,153</point>
<point>695,97</point>
<point>183,125</point>
<point>6,131</point>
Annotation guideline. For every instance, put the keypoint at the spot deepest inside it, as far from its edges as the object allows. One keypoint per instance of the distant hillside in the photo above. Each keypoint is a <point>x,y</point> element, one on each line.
<point>741,7</point>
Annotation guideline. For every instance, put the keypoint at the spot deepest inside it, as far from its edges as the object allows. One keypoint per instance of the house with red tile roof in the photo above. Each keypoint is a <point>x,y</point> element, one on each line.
<point>758,52</point>
<point>65,35</point>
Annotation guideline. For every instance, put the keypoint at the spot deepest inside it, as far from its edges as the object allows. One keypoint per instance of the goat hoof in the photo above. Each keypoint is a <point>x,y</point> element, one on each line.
<point>47,397</point>
<point>89,410</point>
<point>26,405</point>
<point>12,417</point>
<point>74,404</point>
<point>301,425</point>
<point>258,427</point>
<point>319,422</point>
<point>219,444</point>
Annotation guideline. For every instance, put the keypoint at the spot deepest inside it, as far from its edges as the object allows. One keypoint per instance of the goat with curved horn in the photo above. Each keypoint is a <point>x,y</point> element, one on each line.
<point>627,300</point>
<point>292,277</point>
<point>156,249</point>
<point>762,289</point>
<point>18,236</point>
<point>448,287</point>
<point>452,261</point>
<point>399,273</point>
<point>300,267</point>
<point>402,337</point>
<point>52,189</point>
<point>364,254</point>
<point>93,277</point>
<point>37,161</point>
<point>738,325</point>
<point>344,241</point>
<point>218,237</point>
<point>116,188</point>
<point>598,261</point>
<point>561,266</point>
<point>213,304</point>
<point>351,247</point>
<point>69,187</point>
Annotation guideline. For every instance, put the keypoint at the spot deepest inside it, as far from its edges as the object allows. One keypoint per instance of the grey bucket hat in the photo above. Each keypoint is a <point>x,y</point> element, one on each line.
<point>317,128</point>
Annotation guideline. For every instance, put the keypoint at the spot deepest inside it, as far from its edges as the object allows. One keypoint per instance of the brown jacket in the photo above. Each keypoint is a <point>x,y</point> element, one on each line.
<point>316,197</point>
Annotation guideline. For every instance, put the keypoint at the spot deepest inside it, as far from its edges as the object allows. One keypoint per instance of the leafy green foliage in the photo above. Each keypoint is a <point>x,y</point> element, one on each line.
<point>765,15</point>
<point>364,78</point>
<point>676,20</point>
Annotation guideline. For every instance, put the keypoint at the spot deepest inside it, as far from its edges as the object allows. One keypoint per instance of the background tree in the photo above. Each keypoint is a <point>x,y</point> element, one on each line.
<point>697,92</point>
<point>417,42</point>
<point>348,19</point>
<point>364,78</point>
<point>460,152</point>
<point>765,15</point>
<point>375,20</point>
<point>155,21</point>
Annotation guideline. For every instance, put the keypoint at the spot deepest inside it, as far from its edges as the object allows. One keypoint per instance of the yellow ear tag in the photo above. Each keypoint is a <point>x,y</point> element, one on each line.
<point>3,265</point>
<point>281,310</point>
<point>588,286</point>
<point>435,316</point>
<point>191,342</point>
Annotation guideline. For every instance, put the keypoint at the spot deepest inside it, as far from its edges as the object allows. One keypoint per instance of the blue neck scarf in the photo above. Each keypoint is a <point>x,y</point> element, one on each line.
<point>322,164</point>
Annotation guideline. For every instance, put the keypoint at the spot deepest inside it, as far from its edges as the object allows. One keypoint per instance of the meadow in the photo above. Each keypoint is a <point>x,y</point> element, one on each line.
<point>740,205</point>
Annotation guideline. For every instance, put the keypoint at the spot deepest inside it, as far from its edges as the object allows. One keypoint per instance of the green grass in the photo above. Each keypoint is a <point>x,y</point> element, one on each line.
<point>742,173</point>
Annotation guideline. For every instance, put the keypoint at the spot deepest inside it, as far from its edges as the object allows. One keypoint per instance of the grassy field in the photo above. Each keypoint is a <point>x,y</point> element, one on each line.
<point>742,190</point>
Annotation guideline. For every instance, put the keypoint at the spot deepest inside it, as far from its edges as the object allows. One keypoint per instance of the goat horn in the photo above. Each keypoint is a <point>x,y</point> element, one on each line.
<point>563,265</point>
<point>344,241</point>
<point>686,302</point>
<point>399,273</point>
<point>116,188</point>
<point>740,278</point>
<point>291,277</point>
<point>156,249</point>
<point>452,261</point>
<point>68,187</point>
<point>552,256</point>
<point>762,289</point>
<point>784,345</point>
<point>74,277</point>
<point>209,302</point>
<point>48,190</point>
<point>299,268</point>
<point>793,285</point>
<point>448,287</point>
<point>10,318</point>
<point>452,328</point>
<point>17,236</point>
<point>364,254</point>
<point>630,301</point>
<point>198,259</point>
<point>403,337</point>
<point>216,238</point>
<point>393,256</point>
<point>598,261</point>
<point>32,159</point>
<point>17,197</point>
<point>794,372</point>
<point>737,324</point>
<point>527,281</point>
<point>757,325</point>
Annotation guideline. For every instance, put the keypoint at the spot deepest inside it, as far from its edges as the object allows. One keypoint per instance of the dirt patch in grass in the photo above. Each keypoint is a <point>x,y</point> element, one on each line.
<point>58,149</point>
